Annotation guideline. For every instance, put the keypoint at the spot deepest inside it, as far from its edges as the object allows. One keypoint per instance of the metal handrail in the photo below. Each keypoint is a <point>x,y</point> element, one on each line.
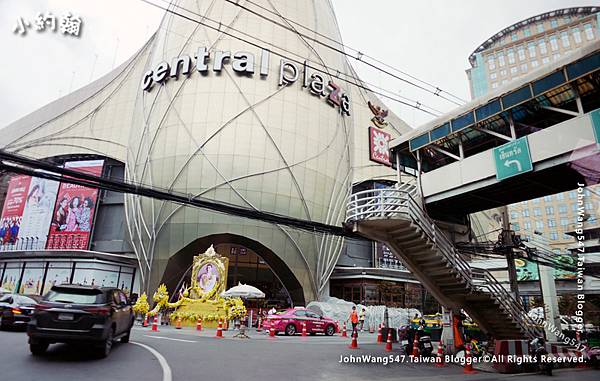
<point>388,203</point>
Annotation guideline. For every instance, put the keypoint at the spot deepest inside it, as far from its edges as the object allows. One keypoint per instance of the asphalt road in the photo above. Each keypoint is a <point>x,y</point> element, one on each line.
<point>186,355</point>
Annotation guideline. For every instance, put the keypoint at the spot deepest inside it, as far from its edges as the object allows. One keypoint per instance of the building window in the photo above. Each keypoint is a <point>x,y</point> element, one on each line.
<point>574,207</point>
<point>511,56</point>
<point>564,37</point>
<point>551,223</point>
<point>504,81</point>
<point>501,61</point>
<point>521,53</point>
<point>589,32</point>
<point>534,63</point>
<point>493,76</point>
<point>572,195</point>
<point>553,43</point>
<point>553,236</point>
<point>503,73</point>
<point>491,62</point>
<point>576,35</point>
<point>549,210</point>
<point>589,206</point>
<point>540,27</point>
<point>543,48</point>
<point>513,37</point>
<point>545,60</point>
<point>562,209</point>
<point>527,31</point>
<point>537,212</point>
<point>514,215</point>
<point>539,224</point>
<point>548,198</point>
<point>513,70</point>
<point>494,85</point>
<point>525,212</point>
<point>553,23</point>
<point>536,200</point>
<point>560,196</point>
<point>564,223</point>
<point>524,68</point>
<point>516,227</point>
<point>531,48</point>
<point>527,225</point>
<point>555,56</point>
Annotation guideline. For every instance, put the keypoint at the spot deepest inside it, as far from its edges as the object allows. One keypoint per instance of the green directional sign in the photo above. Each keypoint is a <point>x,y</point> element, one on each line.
<point>595,115</point>
<point>512,159</point>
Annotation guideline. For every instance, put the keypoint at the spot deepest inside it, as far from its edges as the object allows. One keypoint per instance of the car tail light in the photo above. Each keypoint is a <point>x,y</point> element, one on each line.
<point>17,311</point>
<point>105,311</point>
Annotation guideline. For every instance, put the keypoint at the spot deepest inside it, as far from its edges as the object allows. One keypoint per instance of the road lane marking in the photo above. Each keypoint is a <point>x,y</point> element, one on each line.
<point>170,338</point>
<point>167,374</point>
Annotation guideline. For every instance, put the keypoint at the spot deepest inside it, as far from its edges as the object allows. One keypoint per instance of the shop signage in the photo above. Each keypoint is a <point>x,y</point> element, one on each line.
<point>244,63</point>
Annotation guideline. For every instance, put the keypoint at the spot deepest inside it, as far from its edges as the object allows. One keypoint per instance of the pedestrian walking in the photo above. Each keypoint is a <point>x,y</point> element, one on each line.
<point>354,320</point>
<point>361,319</point>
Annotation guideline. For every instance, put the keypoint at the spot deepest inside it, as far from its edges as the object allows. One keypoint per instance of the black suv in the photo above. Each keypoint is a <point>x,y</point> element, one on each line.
<point>72,313</point>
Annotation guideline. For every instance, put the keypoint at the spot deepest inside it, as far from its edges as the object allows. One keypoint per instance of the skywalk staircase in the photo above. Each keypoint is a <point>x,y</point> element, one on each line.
<point>395,218</point>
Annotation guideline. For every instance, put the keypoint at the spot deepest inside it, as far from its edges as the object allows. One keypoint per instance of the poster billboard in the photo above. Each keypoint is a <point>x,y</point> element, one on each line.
<point>74,210</point>
<point>527,270</point>
<point>386,259</point>
<point>12,212</point>
<point>38,213</point>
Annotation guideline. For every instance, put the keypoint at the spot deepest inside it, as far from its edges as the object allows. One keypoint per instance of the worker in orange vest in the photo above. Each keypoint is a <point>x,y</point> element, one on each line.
<point>354,320</point>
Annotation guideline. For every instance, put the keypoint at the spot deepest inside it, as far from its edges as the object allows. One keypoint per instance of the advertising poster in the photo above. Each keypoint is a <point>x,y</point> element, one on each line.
<point>37,213</point>
<point>33,275</point>
<point>12,212</point>
<point>58,273</point>
<point>527,270</point>
<point>74,210</point>
<point>11,276</point>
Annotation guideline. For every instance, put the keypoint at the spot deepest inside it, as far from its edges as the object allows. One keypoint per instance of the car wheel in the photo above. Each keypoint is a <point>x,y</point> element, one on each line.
<point>38,348</point>
<point>125,339</point>
<point>330,330</point>
<point>107,344</point>
<point>290,330</point>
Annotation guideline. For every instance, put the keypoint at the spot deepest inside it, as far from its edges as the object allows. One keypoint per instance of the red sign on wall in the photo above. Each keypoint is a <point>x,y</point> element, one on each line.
<point>74,210</point>
<point>12,212</point>
<point>379,150</point>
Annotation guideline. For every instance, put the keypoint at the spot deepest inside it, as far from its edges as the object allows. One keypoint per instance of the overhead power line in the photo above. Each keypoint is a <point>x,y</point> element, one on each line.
<point>219,27</point>
<point>28,166</point>
<point>358,57</point>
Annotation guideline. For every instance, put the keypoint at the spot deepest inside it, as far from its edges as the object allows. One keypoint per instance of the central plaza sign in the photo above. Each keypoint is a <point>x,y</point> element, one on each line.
<point>243,63</point>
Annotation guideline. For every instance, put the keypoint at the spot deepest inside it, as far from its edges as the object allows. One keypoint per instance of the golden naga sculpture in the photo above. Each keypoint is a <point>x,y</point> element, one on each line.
<point>202,299</point>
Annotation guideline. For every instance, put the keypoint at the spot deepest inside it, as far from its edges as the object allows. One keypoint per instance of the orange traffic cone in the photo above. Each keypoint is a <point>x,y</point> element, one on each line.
<point>145,323</point>
<point>415,351</point>
<point>199,325</point>
<point>178,325</point>
<point>468,369</point>
<point>272,331</point>
<point>354,343</point>
<point>439,361</point>
<point>220,329</point>
<point>303,329</point>
<point>259,326</point>
<point>344,334</point>
<point>379,335</point>
<point>155,324</point>
<point>388,344</point>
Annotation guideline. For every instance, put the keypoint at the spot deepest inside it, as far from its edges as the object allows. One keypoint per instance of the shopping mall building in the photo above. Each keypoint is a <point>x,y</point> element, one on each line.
<point>228,107</point>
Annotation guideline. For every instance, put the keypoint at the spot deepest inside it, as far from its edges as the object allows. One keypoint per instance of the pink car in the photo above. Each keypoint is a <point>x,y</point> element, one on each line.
<point>290,322</point>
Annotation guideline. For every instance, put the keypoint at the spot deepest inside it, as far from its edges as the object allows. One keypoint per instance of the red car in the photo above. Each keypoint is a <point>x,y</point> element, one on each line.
<point>290,322</point>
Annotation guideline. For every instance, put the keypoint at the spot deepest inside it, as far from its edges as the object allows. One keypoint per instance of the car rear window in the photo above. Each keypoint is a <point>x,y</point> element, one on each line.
<point>75,296</point>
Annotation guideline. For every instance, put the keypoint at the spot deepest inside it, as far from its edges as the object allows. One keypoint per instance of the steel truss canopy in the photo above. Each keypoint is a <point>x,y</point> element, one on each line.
<point>550,95</point>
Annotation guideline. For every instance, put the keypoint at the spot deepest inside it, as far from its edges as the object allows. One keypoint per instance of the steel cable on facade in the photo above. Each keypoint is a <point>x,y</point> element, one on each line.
<point>437,92</point>
<point>396,98</point>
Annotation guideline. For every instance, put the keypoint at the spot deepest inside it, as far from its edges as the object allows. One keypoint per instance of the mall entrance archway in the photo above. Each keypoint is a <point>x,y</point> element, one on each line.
<point>249,262</point>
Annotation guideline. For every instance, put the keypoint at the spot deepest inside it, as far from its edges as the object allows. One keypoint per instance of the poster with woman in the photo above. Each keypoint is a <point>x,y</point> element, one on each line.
<point>38,212</point>
<point>74,211</point>
<point>12,212</point>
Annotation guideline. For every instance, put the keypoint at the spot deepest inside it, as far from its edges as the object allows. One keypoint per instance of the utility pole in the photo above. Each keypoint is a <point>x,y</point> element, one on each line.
<point>507,242</point>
